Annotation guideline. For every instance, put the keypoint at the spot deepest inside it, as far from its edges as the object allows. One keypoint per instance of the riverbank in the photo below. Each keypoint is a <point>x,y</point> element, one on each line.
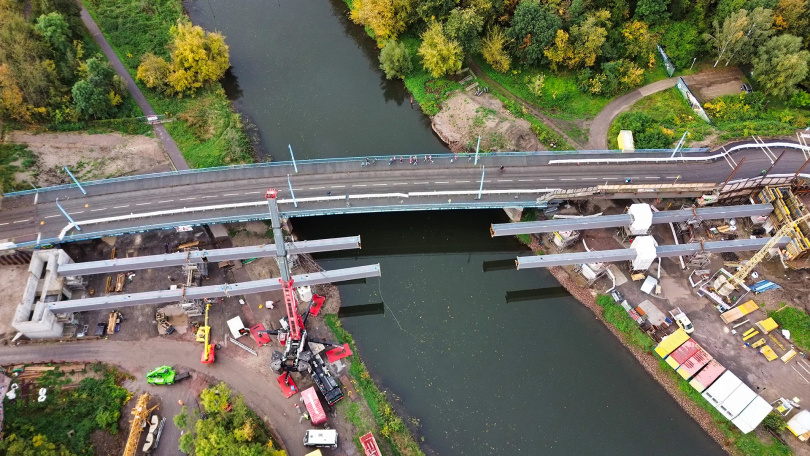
<point>640,345</point>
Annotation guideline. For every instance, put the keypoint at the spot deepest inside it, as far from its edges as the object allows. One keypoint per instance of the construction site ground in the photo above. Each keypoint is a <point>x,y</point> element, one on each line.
<point>138,348</point>
<point>771,380</point>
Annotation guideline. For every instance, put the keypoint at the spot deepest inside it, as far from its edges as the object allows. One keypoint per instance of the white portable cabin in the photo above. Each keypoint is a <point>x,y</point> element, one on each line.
<point>754,414</point>
<point>722,388</point>
<point>645,252</point>
<point>737,401</point>
<point>642,219</point>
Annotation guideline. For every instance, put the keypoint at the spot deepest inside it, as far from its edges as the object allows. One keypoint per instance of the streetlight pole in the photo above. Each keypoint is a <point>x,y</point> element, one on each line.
<point>75,180</point>
<point>476,151</point>
<point>291,191</point>
<point>295,166</point>
<point>481,188</point>
<point>64,212</point>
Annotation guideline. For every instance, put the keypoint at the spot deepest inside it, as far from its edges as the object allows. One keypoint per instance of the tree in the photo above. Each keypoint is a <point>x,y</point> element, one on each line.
<point>588,37</point>
<point>386,18</point>
<point>39,445</point>
<point>434,10</point>
<point>440,55</point>
<point>759,30</point>
<point>728,37</point>
<point>198,57</point>
<point>741,35</point>
<point>464,26</point>
<point>12,105</point>
<point>95,95</point>
<point>652,11</point>
<point>154,72</point>
<point>562,53</point>
<point>781,65</point>
<point>215,399</point>
<point>492,48</point>
<point>56,31</point>
<point>534,28</point>
<point>395,60</point>
<point>792,16</point>
<point>639,41</point>
<point>683,43</point>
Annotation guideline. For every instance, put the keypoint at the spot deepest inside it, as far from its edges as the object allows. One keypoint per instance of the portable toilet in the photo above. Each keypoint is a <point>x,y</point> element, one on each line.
<point>305,293</point>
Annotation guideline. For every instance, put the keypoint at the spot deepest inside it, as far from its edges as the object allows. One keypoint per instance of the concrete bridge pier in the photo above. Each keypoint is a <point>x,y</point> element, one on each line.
<point>514,213</point>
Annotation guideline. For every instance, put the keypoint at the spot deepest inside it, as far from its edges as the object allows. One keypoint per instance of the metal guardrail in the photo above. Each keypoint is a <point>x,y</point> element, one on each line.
<point>317,161</point>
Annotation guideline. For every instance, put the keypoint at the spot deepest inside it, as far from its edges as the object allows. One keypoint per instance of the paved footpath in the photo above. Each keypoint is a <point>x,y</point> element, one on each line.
<point>258,388</point>
<point>601,123</point>
<point>160,130</point>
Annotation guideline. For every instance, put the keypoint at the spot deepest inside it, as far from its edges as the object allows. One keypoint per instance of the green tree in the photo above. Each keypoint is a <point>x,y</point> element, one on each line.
<point>683,43</point>
<point>639,41</point>
<point>39,445</point>
<point>12,105</point>
<point>588,38</point>
<point>440,55</point>
<point>434,10</point>
<point>25,56</point>
<point>652,11</point>
<point>198,57</point>
<point>395,60</point>
<point>741,35</point>
<point>464,26</point>
<point>215,399</point>
<point>386,18</point>
<point>562,53</point>
<point>493,50</point>
<point>728,37</point>
<point>534,27</point>
<point>726,8</point>
<point>759,30</point>
<point>95,95</point>
<point>781,65</point>
<point>56,31</point>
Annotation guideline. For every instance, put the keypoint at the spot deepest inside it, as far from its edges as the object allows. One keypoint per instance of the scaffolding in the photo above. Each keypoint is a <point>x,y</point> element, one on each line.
<point>788,209</point>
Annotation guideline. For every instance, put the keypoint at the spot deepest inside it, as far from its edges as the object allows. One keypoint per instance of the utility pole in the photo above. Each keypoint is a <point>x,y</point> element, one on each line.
<point>680,143</point>
<point>75,180</point>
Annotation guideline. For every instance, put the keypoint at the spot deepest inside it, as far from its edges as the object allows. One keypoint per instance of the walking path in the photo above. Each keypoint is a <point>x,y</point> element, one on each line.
<point>601,123</point>
<point>547,121</point>
<point>160,130</point>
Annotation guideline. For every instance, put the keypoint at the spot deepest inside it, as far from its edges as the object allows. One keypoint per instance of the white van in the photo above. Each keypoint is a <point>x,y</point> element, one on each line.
<point>321,438</point>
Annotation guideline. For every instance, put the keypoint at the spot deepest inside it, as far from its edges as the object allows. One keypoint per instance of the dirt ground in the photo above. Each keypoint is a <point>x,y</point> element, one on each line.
<point>465,116</point>
<point>708,85</point>
<point>13,281</point>
<point>89,157</point>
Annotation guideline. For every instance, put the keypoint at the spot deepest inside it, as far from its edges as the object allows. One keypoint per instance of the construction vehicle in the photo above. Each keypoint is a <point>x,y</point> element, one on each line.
<point>208,347</point>
<point>725,286</point>
<point>682,320</point>
<point>165,375</point>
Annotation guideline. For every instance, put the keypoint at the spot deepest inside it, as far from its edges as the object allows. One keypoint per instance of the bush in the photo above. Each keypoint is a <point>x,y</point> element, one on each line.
<point>800,99</point>
<point>797,322</point>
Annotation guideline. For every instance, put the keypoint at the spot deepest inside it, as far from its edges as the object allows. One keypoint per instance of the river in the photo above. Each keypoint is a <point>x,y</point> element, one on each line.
<point>480,358</point>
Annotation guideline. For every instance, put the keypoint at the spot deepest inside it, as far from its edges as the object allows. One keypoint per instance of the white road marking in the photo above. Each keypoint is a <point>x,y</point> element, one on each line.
<point>50,216</point>
<point>504,180</point>
<point>338,186</point>
<point>165,201</point>
<point>610,178</point>
<point>78,212</point>
<point>186,199</point>
<point>21,221</point>
<point>210,196</point>
<point>316,188</point>
<point>359,185</point>
<point>96,210</point>
<point>545,179</point>
<point>143,204</point>
<point>672,177</point>
<point>525,180</point>
<point>462,182</point>
<point>230,194</point>
<point>249,193</point>
<point>403,183</point>
<point>379,185</point>
<point>125,205</point>
<point>648,177</point>
<point>441,182</point>
<point>420,183</point>
<point>1,224</point>
<point>589,178</point>
<point>567,179</point>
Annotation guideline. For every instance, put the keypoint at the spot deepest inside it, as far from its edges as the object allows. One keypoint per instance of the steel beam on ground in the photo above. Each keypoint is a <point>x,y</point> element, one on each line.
<point>210,291</point>
<point>548,226</point>
<point>603,256</point>
<point>199,256</point>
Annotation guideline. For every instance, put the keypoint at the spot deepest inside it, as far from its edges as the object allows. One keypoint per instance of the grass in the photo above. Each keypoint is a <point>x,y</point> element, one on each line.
<point>205,128</point>
<point>427,90</point>
<point>670,110</point>
<point>95,404</point>
<point>747,444</point>
<point>390,426</point>
<point>14,159</point>
<point>795,321</point>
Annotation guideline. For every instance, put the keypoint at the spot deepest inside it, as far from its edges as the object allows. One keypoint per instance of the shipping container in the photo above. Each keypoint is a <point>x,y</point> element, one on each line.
<point>737,401</point>
<point>691,366</point>
<point>682,353</point>
<point>671,342</point>
<point>750,418</point>
<point>722,388</point>
<point>313,404</point>
<point>707,376</point>
<point>799,425</point>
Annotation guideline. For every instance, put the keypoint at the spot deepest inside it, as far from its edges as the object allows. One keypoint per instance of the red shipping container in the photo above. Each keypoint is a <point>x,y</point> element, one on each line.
<point>370,445</point>
<point>692,365</point>
<point>684,352</point>
<point>313,404</point>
